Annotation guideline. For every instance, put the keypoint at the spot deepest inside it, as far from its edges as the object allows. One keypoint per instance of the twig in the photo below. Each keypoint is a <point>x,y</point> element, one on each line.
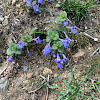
<point>47,89</point>
<point>37,88</point>
<point>43,77</point>
<point>95,39</point>
<point>3,70</point>
<point>95,51</point>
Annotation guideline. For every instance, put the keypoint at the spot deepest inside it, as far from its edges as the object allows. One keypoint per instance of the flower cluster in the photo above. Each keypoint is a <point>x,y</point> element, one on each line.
<point>17,48</point>
<point>47,49</point>
<point>20,45</point>
<point>37,40</point>
<point>60,61</point>
<point>73,29</point>
<point>55,43</point>
<point>35,4</point>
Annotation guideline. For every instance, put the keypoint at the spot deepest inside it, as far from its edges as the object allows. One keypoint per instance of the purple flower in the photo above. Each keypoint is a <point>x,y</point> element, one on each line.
<point>28,2</point>
<point>10,59</point>
<point>35,7</point>
<point>20,45</point>
<point>40,1</point>
<point>73,29</point>
<point>64,42</point>
<point>37,40</point>
<point>59,65</point>
<point>55,55</point>
<point>58,59</point>
<point>47,49</point>
<point>64,58</point>
<point>67,38</point>
<point>64,22</point>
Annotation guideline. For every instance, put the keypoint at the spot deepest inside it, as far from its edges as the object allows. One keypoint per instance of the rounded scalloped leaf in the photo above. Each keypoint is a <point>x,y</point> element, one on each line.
<point>61,49</point>
<point>9,52</point>
<point>63,14</point>
<point>12,45</point>
<point>57,19</point>
<point>18,52</point>
<point>54,47</point>
<point>59,43</point>
<point>48,39</point>
<point>26,38</point>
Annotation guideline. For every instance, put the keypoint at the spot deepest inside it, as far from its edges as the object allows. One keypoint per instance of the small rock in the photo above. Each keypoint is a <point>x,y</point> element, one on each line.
<point>5,22</point>
<point>47,71</point>
<point>55,75</point>
<point>86,28</point>
<point>1,19</point>
<point>51,14</point>
<point>1,31</point>
<point>9,1</point>
<point>13,2</point>
<point>76,56</point>
<point>4,83</point>
<point>25,68</point>
<point>29,75</point>
<point>57,5</point>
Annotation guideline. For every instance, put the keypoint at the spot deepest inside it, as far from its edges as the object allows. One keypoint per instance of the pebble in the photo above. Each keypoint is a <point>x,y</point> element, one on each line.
<point>5,22</point>
<point>1,19</point>
<point>4,85</point>
<point>25,68</point>
<point>29,75</point>
<point>1,31</point>
<point>47,71</point>
<point>9,1</point>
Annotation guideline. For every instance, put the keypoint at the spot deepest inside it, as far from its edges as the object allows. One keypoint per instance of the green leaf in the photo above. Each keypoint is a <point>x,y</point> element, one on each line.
<point>49,32</point>
<point>60,28</point>
<point>18,52</point>
<point>54,35</point>
<point>54,47</point>
<point>26,44</point>
<point>57,20</point>
<point>33,31</point>
<point>9,52</point>
<point>48,39</point>
<point>12,45</point>
<point>26,38</point>
<point>61,49</point>
<point>62,19</point>
<point>59,43</point>
<point>63,15</point>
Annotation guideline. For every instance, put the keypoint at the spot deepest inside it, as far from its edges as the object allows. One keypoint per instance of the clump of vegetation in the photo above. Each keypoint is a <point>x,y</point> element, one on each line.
<point>75,10</point>
<point>76,88</point>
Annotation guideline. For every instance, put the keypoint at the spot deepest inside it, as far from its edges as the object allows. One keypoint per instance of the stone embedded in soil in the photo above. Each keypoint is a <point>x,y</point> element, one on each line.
<point>5,22</point>
<point>47,71</point>
<point>25,68</point>
<point>4,83</point>
<point>77,55</point>
<point>29,75</point>
<point>1,31</point>
<point>1,19</point>
<point>13,2</point>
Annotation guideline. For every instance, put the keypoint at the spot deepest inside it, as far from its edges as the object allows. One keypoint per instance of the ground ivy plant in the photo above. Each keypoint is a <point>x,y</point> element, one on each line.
<point>35,5</point>
<point>55,43</point>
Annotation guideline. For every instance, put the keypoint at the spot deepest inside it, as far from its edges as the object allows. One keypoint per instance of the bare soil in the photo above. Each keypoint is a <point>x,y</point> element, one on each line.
<point>17,22</point>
